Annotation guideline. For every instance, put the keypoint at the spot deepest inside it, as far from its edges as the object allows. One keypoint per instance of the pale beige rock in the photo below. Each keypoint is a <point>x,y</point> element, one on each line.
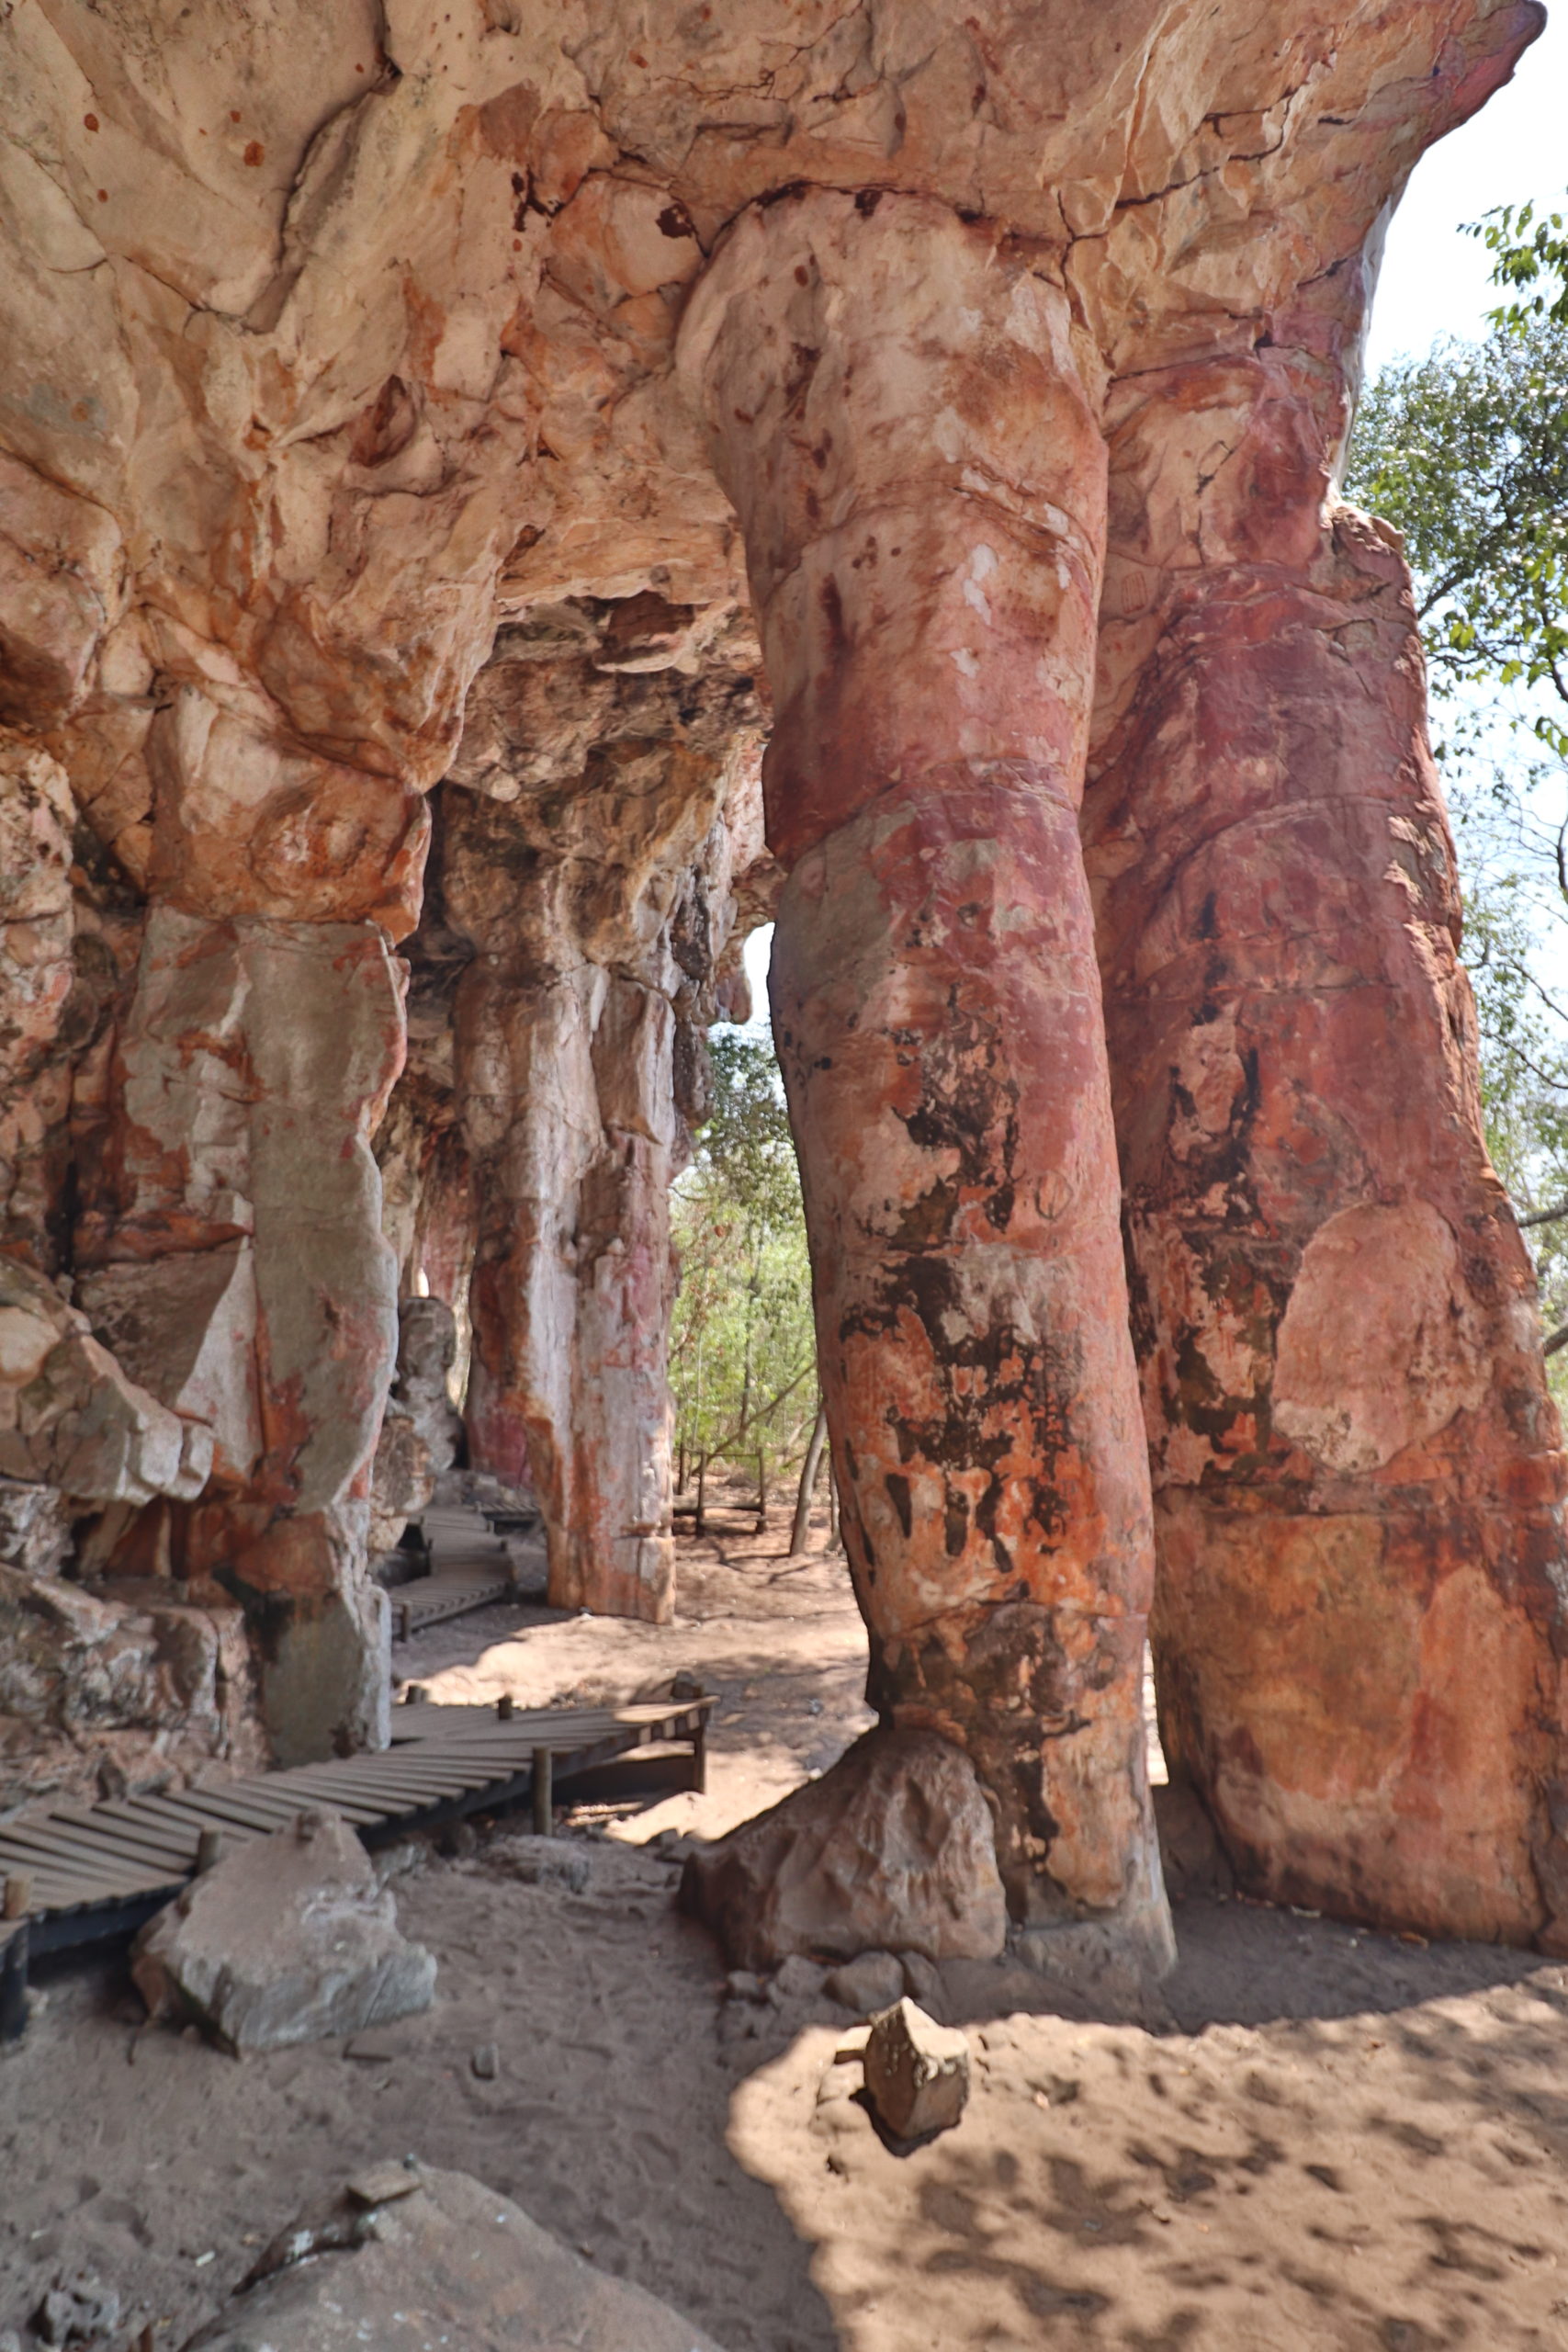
<point>867,1983</point>
<point>893,1851</point>
<point>69,1419</point>
<point>917,2072</point>
<point>286,1939</point>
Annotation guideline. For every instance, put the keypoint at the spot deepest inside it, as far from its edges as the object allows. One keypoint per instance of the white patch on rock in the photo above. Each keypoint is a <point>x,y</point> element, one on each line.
<point>1382,1343</point>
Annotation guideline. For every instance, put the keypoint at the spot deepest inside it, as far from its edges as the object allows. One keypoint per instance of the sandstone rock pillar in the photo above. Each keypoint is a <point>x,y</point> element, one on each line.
<point>900,413</point>
<point>1359,1626</point>
<point>229,1248</point>
<point>565,1080</point>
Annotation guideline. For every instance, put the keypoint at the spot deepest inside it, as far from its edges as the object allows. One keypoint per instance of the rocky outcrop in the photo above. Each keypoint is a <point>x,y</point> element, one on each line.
<point>421,1429</point>
<point>380,401</point>
<point>929,615</point>
<point>117,1685</point>
<point>288,1939</point>
<point>405,2246</point>
<point>891,1851</point>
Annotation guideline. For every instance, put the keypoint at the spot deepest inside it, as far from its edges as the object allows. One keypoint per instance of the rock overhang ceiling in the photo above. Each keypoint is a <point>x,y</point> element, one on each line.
<point>333,333</point>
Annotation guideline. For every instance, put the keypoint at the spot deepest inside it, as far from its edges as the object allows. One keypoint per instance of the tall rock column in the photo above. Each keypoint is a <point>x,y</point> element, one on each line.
<point>592,831</point>
<point>1361,1619</point>
<point>899,411</point>
<point>229,1250</point>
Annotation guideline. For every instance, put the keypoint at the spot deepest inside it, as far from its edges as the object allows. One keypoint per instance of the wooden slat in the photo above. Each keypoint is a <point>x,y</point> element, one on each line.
<point>103,1848</point>
<point>355,1809</point>
<point>238,1807</point>
<point>177,1837</point>
<point>156,1842</point>
<point>25,1849</point>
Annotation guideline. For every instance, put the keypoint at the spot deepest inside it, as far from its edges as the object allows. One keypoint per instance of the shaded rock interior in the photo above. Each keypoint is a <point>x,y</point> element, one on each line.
<point>495,504</point>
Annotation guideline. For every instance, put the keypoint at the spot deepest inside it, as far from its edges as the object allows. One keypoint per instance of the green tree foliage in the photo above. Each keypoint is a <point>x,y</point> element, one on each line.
<point>1529,251</point>
<point>1466,453</point>
<point>743,1355</point>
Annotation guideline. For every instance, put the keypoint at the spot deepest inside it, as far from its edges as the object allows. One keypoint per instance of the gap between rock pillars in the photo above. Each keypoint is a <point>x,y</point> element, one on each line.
<point>905,419</point>
<point>1360,1630</point>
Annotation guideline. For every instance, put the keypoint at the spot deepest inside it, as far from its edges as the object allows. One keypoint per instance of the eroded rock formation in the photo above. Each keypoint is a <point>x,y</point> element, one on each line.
<point>594,890</point>
<point>344,449</point>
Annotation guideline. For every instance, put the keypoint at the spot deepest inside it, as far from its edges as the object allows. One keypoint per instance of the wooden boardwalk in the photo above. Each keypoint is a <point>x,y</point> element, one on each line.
<point>74,1873</point>
<point>472,1566</point>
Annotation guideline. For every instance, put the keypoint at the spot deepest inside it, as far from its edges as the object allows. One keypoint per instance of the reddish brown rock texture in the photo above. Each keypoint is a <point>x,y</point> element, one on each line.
<point>1358,1478</point>
<point>928,618</point>
<point>339,372</point>
<point>596,902</point>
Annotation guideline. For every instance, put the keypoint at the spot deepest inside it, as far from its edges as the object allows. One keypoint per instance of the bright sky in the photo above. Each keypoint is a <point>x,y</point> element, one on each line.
<point>1434,280</point>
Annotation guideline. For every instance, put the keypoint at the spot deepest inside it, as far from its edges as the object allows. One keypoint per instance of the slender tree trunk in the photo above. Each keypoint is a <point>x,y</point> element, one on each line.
<point>752,1289</point>
<point>761,1489</point>
<point>702,1489</point>
<point>800,1534</point>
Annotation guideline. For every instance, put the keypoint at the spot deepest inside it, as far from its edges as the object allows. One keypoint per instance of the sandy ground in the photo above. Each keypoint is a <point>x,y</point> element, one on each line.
<point>1333,2138</point>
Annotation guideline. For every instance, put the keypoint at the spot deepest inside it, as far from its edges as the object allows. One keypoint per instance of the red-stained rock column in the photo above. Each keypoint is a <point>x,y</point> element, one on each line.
<point>1360,1624</point>
<point>229,1250</point>
<point>897,409</point>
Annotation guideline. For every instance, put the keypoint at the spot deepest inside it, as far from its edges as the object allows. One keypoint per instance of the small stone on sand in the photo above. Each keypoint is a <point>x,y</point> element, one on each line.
<point>917,2072</point>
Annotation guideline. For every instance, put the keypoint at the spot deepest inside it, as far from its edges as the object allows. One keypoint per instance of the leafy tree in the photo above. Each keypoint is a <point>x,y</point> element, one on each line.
<point>1529,249</point>
<point>743,1354</point>
<point>1466,453</point>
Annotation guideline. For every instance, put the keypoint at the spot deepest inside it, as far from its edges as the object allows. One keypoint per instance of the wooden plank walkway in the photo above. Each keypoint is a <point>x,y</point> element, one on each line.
<point>74,1873</point>
<point>473,1565</point>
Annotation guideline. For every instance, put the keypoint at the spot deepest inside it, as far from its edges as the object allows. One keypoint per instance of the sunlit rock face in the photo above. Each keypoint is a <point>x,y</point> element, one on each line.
<point>396,396</point>
<point>1356,1474</point>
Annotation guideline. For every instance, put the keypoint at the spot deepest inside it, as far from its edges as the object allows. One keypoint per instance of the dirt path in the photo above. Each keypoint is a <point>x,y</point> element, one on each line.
<point>1337,2141</point>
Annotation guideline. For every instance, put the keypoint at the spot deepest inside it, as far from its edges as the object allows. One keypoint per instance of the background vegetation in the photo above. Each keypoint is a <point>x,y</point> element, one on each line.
<point>744,1354</point>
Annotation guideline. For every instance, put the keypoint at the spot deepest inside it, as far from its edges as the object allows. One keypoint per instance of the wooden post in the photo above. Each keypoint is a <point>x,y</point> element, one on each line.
<point>13,1982</point>
<point>544,1793</point>
<point>699,1780</point>
<point>209,1850</point>
<point>18,1899</point>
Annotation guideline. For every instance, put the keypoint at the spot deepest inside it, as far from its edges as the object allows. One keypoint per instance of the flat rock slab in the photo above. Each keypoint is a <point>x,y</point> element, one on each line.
<point>892,1850</point>
<point>289,1939</point>
<point>451,2266</point>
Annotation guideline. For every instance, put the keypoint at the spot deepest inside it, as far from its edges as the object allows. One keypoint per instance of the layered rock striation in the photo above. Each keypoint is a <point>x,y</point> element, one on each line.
<point>435,446</point>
